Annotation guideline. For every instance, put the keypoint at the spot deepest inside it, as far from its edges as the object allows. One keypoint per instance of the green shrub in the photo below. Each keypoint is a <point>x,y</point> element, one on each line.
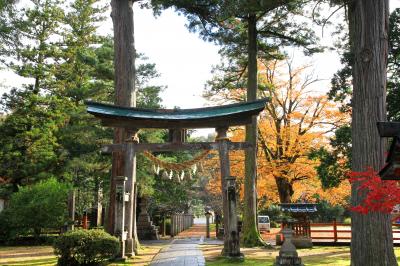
<point>326,212</point>
<point>34,208</point>
<point>273,211</point>
<point>85,247</point>
<point>274,224</point>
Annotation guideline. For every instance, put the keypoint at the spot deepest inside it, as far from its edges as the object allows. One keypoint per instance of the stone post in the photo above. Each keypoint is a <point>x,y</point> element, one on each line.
<point>130,173</point>
<point>99,207</point>
<point>233,232</point>
<point>119,222</point>
<point>223,140</point>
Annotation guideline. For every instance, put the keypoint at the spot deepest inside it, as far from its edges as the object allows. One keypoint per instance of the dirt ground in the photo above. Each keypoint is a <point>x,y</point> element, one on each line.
<point>196,230</point>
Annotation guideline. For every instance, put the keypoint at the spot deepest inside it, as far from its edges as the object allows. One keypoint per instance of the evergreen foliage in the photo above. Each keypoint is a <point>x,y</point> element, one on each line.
<point>46,130</point>
<point>34,208</point>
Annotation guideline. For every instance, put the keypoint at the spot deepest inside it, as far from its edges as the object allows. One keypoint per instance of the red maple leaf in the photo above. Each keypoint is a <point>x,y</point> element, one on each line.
<point>379,195</point>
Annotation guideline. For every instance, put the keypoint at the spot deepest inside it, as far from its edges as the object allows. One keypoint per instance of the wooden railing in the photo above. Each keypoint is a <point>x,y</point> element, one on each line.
<point>180,222</point>
<point>337,234</point>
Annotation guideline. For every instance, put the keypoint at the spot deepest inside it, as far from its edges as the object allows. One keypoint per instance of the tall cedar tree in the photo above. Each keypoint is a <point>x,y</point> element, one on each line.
<point>341,82</point>
<point>242,27</point>
<point>125,95</point>
<point>331,172</point>
<point>368,31</point>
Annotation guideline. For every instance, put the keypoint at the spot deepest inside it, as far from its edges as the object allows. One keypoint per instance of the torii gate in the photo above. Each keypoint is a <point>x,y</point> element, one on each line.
<point>176,120</point>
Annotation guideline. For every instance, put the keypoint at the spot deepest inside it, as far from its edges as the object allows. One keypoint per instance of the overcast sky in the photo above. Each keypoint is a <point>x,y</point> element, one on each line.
<point>185,61</point>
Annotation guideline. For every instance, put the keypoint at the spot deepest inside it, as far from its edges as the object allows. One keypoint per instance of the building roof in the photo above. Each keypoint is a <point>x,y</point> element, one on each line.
<point>298,207</point>
<point>208,117</point>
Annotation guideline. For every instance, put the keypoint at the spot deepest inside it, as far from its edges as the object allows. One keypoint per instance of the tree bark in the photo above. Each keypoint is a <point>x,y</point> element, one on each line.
<point>285,189</point>
<point>251,236</point>
<point>125,94</point>
<point>371,242</point>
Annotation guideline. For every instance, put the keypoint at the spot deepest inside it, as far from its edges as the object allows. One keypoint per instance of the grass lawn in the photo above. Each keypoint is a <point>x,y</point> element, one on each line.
<point>317,256</point>
<point>44,256</point>
<point>27,255</point>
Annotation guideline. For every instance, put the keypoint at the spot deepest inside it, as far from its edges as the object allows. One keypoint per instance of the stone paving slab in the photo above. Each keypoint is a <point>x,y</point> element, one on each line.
<point>181,252</point>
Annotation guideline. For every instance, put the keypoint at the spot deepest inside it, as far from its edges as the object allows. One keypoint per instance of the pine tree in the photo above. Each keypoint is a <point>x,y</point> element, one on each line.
<point>38,53</point>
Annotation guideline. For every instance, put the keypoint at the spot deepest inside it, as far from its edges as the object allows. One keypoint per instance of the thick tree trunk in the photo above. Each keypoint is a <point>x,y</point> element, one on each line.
<point>124,63</point>
<point>285,189</point>
<point>251,236</point>
<point>371,242</point>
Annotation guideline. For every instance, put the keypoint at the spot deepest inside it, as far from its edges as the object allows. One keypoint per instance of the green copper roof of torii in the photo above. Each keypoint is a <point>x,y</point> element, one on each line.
<point>224,115</point>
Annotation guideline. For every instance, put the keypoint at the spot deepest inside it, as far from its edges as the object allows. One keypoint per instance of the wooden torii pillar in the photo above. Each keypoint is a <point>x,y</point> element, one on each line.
<point>220,118</point>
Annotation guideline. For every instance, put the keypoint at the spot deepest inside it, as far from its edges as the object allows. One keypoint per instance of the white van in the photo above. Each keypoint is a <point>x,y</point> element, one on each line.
<point>264,223</point>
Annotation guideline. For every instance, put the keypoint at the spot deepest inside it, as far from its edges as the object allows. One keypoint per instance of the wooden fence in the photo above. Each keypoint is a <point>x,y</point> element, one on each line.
<point>180,222</point>
<point>335,232</point>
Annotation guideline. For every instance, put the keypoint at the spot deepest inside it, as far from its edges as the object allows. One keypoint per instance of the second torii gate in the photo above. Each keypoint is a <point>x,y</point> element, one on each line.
<point>176,120</point>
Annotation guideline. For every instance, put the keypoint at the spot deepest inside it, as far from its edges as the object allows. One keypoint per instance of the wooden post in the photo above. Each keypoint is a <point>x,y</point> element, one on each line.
<point>335,238</point>
<point>164,227</point>
<point>217,221</point>
<point>130,173</point>
<point>71,210</point>
<point>85,221</point>
<point>208,224</point>
<point>172,225</point>
<point>119,220</point>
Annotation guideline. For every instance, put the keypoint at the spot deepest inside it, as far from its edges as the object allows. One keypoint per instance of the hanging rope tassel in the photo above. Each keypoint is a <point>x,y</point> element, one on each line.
<point>165,175</point>
<point>194,169</point>
<point>190,175</point>
<point>182,175</point>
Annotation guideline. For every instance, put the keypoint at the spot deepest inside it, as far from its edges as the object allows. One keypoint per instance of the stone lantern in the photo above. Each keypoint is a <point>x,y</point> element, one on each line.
<point>288,255</point>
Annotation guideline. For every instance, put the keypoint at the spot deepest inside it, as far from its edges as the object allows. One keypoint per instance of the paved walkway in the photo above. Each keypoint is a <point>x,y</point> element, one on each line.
<point>197,230</point>
<point>181,252</point>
